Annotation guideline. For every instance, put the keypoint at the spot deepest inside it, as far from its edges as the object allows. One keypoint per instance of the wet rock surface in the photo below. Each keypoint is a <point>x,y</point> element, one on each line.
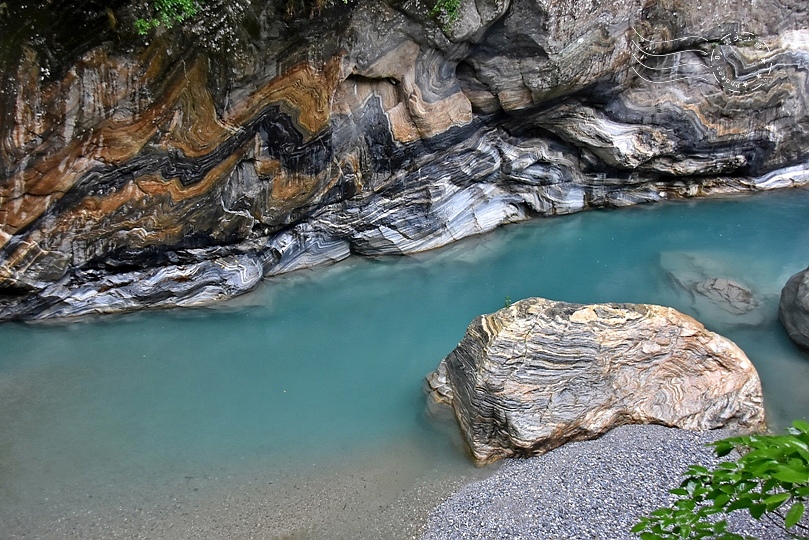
<point>793,310</point>
<point>368,129</point>
<point>540,373</point>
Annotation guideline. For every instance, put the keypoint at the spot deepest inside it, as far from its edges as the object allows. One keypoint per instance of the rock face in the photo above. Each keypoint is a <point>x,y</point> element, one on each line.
<point>793,310</point>
<point>530,377</point>
<point>252,144</point>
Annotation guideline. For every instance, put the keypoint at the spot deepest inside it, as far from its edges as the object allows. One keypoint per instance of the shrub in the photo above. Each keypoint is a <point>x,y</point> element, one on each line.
<point>167,13</point>
<point>770,480</point>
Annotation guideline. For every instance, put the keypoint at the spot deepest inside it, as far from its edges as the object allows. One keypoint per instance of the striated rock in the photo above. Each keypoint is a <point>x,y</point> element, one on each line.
<point>539,373</point>
<point>737,297</point>
<point>367,129</point>
<point>793,310</point>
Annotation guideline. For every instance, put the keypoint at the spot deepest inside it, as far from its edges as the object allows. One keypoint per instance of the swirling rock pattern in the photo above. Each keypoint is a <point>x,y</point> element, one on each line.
<point>539,373</point>
<point>367,130</point>
<point>793,310</point>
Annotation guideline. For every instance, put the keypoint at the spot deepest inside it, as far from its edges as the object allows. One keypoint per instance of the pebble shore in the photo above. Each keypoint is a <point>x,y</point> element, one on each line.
<point>591,489</point>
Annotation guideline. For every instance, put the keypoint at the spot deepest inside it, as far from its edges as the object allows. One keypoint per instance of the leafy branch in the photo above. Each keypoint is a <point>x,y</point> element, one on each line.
<point>770,480</point>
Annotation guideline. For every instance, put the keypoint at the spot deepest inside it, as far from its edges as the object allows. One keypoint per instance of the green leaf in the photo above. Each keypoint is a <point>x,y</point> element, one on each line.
<point>723,448</point>
<point>795,514</point>
<point>757,510</point>
<point>739,504</point>
<point>685,504</point>
<point>722,499</point>
<point>746,487</point>
<point>710,510</point>
<point>785,474</point>
<point>167,13</point>
<point>802,426</point>
<point>638,527</point>
<point>769,484</point>
<point>700,493</point>
<point>774,501</point>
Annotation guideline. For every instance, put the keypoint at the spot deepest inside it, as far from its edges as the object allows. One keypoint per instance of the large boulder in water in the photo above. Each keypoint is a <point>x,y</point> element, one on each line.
<point>540,373</point>
<point>793,310</point>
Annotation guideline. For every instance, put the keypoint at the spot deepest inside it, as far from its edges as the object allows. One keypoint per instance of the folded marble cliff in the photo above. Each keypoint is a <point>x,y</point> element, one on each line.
<point>169,171</point>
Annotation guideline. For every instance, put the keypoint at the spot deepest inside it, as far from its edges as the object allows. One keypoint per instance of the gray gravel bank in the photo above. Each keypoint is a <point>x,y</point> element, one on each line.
<point>591,489</point>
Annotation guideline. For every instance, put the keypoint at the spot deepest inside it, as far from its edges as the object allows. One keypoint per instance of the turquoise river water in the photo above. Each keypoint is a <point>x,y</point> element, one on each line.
<point>297,411</point>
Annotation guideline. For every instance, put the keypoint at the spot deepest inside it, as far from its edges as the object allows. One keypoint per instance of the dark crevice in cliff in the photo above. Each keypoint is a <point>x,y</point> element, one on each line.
<point>500,37</point>
<point>8,292</point>
<point>363,79</point>
<point>754,148</point>
<point>283,141</point>
<point>59,32</point>
<point>124,260</point>
<point>384,154</point>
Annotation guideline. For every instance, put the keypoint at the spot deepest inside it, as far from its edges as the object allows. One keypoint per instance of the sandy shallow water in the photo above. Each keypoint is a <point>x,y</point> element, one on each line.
<point>379,494</point>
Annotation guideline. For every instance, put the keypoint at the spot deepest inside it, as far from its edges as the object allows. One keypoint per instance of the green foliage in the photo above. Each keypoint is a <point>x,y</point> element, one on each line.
<point>446,10</point>
<point>507,302</point>
<point>167,13</point>
<point>770,480</point>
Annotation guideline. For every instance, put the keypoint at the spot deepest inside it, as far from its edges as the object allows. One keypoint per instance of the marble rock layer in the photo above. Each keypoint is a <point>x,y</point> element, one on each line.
<point>133,170</point>
<point>540,373</point>
<point>793,309</point>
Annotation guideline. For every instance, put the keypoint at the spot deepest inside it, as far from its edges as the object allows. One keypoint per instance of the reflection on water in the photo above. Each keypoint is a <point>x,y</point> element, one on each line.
<point>317,368</point>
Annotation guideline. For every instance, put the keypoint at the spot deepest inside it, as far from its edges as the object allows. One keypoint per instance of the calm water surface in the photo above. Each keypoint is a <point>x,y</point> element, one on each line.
<point>321,371</point>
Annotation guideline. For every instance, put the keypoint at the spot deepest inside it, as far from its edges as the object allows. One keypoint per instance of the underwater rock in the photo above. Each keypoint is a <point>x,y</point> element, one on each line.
<point>737,297</point>
<point>539,373</point>
<point>793,310</point>
<point>714,286</point>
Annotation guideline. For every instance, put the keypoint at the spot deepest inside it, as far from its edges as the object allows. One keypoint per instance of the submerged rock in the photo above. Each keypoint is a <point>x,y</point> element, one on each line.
<point>793,310</point>
<point>540,373</point>
<point>737,297</point>
<point>714,286</point>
